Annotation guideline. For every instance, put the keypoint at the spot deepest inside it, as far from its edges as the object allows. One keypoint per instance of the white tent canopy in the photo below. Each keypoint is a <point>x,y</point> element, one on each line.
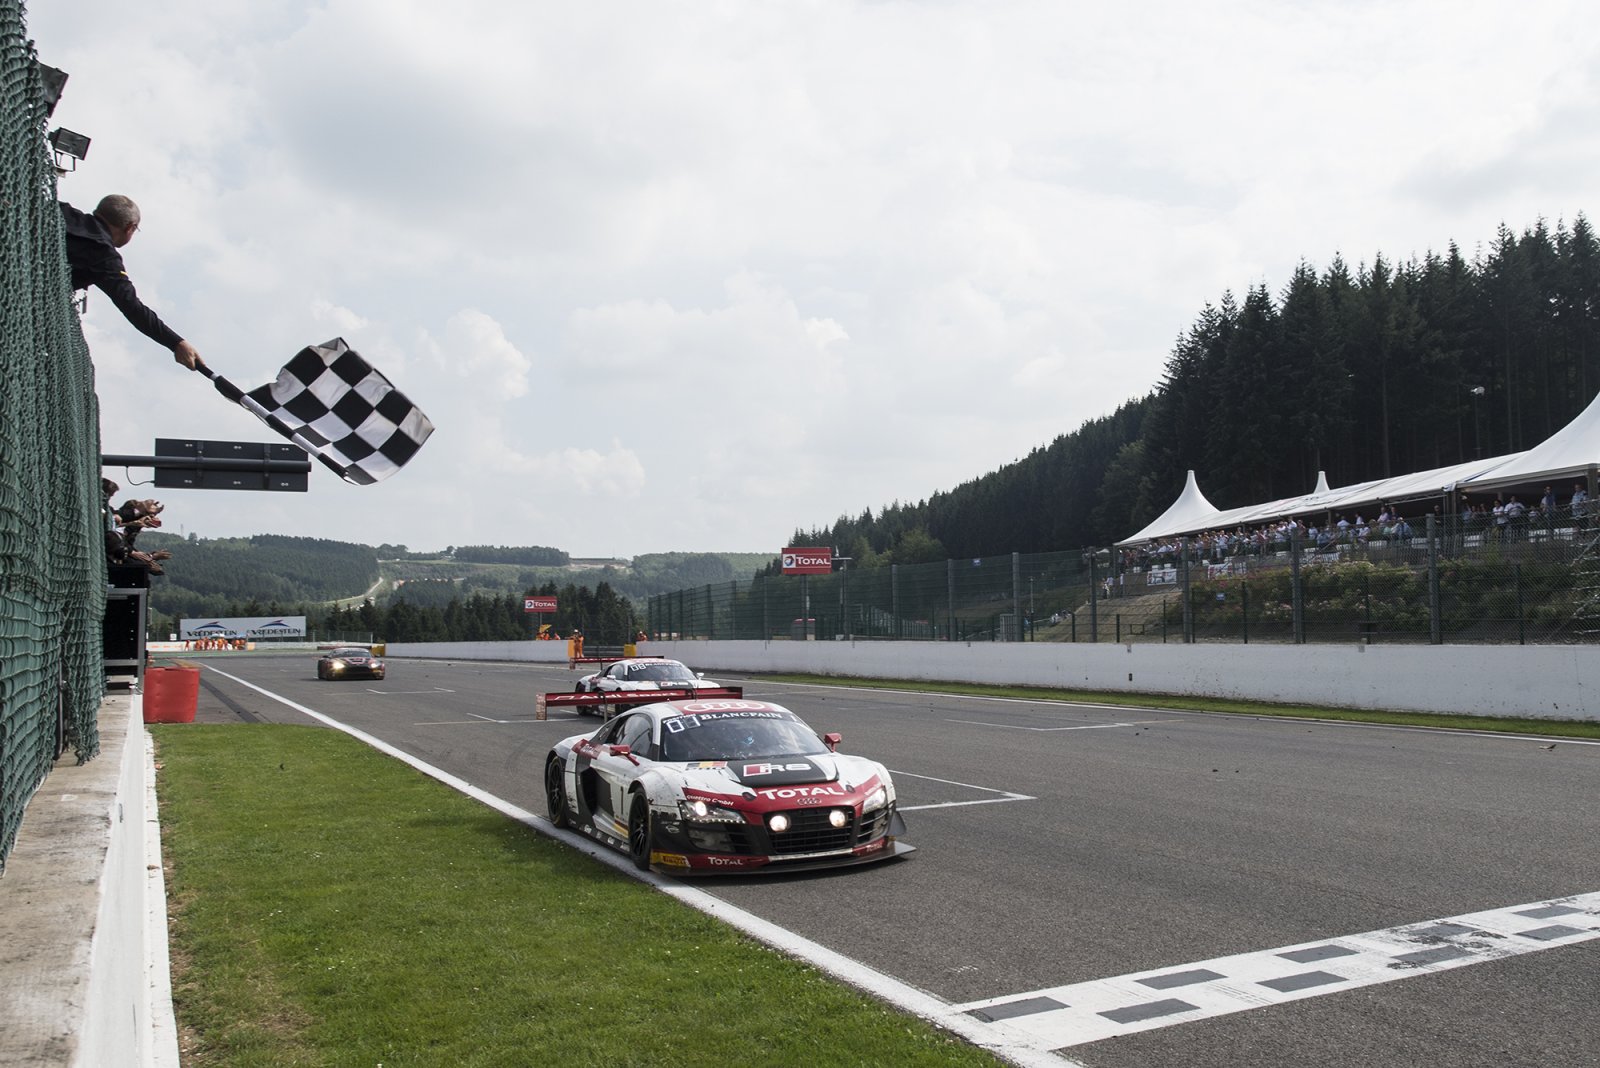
<point>1191,511</point>
<point>1571,454</point>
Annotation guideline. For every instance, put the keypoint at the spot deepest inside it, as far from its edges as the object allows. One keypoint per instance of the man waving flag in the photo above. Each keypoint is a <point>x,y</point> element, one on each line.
<point>340,409</point>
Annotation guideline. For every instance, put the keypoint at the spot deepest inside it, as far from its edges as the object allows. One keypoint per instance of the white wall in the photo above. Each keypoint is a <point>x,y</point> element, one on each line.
<point>1542,681</point>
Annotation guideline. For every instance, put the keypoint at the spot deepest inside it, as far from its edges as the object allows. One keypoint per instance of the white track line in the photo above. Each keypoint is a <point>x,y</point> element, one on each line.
<point>1011,1045</point>
<point>1005,795</point>
<point>1064,1016</point>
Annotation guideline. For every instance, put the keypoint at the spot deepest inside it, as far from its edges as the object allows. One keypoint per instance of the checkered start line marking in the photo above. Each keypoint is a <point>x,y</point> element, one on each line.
<point>1065,1016</point>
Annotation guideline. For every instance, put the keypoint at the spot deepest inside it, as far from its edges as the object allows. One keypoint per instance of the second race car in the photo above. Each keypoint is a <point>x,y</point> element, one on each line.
<point>697,786</point>
<point>642,675</point>
<point>350,662</point>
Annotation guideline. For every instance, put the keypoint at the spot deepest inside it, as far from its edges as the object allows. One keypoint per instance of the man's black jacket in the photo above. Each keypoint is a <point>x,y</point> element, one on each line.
<point>95,261</point>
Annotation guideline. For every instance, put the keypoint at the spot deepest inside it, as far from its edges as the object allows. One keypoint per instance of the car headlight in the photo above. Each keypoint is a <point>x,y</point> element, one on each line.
<point>778,822</point>
<point>875,800</point>
<point>337,665</point>
<point>701,811</point>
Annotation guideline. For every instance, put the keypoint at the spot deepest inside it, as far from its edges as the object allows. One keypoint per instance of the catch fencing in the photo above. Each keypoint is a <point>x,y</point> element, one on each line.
<point>1532,580</point>
<point>52,551</point>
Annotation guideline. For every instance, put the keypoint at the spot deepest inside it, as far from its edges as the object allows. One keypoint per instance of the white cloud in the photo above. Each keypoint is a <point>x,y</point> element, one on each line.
<point>671,275</point>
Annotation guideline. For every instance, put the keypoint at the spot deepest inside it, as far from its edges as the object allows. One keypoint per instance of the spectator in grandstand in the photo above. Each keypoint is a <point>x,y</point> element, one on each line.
<point>92,242</point>
<point>1516,517</point>
<point>1580,498</point>
<point>1547,503</point>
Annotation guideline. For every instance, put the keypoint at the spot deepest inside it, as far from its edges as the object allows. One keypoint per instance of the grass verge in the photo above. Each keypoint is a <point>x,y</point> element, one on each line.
<point>1552,728</point>
<point>332,906</point>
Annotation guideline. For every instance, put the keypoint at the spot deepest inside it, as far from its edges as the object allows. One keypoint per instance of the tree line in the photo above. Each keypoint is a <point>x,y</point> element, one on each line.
<point>1362,373</point>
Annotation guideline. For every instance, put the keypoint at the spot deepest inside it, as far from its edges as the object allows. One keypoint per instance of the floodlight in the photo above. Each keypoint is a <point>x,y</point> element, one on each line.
<point>53,81</point>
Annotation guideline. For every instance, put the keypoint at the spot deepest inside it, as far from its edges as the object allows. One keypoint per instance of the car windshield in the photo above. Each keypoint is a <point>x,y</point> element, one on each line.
<point>345,654</point>
<point>737,736</point>
<point>668,672</point>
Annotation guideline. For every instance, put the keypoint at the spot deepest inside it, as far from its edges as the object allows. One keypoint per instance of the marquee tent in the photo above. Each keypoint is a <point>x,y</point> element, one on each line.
<point>1570,455</point>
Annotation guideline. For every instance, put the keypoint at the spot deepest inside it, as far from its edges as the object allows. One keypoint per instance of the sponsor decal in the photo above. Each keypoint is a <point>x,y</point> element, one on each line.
<point>790,793</point>
<point>670,860</point>
<point>679,724</point>
<point>729,862</point>
<point>807,561</point>
<point>772,769</point>
<point>731,710</point>
<point>707,765</point>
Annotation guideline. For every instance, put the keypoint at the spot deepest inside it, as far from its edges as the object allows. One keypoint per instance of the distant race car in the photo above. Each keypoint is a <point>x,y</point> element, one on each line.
<point>644,674</point>
<point>697,786</point>
<point>350,662</point>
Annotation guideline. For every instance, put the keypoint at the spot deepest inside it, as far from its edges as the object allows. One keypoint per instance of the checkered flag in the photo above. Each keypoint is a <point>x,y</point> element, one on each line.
<point>340,409</point>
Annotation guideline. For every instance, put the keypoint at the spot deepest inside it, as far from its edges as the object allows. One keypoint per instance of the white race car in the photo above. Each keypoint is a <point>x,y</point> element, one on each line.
<point>645,674</point>
<point>696,786</point>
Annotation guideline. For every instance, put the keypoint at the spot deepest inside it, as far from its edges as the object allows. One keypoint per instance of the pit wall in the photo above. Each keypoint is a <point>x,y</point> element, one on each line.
<point>1536,681</point>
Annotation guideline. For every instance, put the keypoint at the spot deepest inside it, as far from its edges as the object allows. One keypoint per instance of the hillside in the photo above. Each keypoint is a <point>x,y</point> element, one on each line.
<point>272,573</point>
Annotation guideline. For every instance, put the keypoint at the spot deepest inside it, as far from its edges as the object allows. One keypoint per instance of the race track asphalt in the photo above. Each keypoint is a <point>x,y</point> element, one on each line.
<point>1062,845</point>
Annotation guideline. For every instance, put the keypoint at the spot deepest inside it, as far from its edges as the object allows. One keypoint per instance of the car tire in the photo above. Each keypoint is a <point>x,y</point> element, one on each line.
<point>555,794</point>
<point>639,832</point>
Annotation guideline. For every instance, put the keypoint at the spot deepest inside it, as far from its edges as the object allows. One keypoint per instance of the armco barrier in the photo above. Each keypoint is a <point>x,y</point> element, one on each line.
<point>1543,681</point>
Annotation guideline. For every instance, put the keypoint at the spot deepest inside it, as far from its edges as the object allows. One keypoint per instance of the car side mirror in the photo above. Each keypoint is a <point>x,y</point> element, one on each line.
<point>623,751</point>
<point>833,738</point>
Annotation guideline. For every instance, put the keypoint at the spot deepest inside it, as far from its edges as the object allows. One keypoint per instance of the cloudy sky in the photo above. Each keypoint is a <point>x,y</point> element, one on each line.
<point>677,276</point>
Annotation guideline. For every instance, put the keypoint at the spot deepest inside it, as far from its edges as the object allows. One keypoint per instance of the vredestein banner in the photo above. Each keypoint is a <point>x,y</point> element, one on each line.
<point>242,627</point>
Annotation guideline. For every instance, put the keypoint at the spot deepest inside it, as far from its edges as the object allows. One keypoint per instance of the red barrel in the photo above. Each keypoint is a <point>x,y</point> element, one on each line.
<point>171,694</point>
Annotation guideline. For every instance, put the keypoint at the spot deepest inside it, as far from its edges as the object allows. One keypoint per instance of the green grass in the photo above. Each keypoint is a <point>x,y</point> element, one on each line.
<point>1553,728</point>
<point>332,906</point>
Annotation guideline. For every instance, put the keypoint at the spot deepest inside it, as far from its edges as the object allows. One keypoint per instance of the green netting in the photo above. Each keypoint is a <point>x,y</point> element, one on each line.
<point>52,555</point>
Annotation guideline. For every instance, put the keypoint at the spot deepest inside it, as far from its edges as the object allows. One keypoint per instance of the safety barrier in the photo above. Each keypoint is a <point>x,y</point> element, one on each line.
<point>52,552</point>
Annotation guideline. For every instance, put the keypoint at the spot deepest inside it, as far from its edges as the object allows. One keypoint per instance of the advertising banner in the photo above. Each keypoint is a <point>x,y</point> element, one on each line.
<point>815,561</point>
<point>242,627</point>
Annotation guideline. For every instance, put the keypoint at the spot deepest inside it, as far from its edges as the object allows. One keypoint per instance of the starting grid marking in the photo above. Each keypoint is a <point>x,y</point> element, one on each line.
<point>1065,1016</point>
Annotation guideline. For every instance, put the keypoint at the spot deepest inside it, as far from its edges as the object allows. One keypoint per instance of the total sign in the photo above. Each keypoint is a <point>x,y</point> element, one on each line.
<point>808,561</point>
<point>539,604</point>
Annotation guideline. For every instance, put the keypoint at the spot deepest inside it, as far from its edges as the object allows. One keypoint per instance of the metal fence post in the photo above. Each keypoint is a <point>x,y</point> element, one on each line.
<point>1016,592</point>
<point>1188,598</point>
<point>1435,624</point>
<point>1094,601</point>
<point>1244,609</point>
<point>894,600</point>
<point>1297,611</point>
<point>1522,620</point>
<point>950,580</point>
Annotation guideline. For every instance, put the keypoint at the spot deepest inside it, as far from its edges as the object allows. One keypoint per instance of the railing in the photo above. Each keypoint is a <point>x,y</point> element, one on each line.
<point>1531,580</point>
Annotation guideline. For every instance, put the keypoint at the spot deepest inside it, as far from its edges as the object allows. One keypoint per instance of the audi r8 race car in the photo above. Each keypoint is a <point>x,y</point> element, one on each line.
<point>695,786</point>
<point>643,674</point>
<point>350,662</point>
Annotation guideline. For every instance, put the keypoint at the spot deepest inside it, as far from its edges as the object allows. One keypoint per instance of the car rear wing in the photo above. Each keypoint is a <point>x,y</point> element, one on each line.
<point>544,701</point>
<point>574,661</point>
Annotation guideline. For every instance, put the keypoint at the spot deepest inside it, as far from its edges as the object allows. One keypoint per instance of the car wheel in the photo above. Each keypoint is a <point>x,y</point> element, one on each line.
<point>322,675</point>
<point>555,794</point>
<point>639,832</point>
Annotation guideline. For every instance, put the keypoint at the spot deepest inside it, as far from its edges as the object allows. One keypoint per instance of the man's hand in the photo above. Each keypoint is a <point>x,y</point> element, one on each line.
<point>188,355</point>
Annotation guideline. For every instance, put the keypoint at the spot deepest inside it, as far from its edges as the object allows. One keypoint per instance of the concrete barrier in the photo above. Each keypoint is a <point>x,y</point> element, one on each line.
<point>83,936</point>
<point>1536,681</point>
